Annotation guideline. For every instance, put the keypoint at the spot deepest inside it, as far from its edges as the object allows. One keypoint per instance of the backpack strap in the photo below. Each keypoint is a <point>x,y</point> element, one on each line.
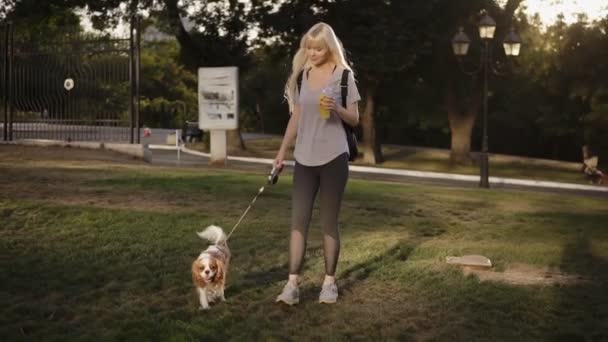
<point>344,86</point>
<point>300,81</point>
<point>351,137</point>
<point>300,78</point>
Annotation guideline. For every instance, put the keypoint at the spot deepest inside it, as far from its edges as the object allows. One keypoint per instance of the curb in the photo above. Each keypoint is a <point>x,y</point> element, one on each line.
<point>496,181</point>
<point>134,150</point>
<point>144,152</point>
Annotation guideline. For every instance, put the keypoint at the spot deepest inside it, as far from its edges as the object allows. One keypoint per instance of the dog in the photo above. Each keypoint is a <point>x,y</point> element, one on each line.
<point>210,268</point>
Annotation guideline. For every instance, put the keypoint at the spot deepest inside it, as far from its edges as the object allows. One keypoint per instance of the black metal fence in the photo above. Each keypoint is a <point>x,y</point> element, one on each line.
<point>74,86</point>
<point>4,54</point>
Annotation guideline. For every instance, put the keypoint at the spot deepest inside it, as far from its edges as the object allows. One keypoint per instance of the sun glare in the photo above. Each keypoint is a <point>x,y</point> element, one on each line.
<point>549,10</point>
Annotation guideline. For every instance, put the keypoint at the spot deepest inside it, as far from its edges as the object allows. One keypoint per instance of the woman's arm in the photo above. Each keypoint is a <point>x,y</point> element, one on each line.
<point>291,131</point>
<point>350,115</point>
<point>290,134</point>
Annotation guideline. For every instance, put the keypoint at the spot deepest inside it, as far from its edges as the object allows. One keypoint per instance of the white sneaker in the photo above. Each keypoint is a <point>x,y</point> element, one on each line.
<point>329,294</point>
<point>290,295</point>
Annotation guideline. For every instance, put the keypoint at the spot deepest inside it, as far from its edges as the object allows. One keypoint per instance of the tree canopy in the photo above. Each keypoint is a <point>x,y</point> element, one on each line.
<point>555,100</point>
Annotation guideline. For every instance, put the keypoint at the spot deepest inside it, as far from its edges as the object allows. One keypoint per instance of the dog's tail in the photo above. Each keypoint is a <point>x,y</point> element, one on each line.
<point>214,234</point>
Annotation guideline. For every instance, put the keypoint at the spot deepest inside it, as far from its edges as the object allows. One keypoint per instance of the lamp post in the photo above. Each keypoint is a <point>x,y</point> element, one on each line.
<point>460,46</point>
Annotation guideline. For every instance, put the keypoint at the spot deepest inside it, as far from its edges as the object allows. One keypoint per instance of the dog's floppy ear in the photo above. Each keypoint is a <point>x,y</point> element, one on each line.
<point>220,276</point>
<point>196,274</point>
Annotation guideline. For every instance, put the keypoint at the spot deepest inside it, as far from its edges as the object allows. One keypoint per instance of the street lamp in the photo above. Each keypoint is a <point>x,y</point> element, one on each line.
<point>487,27</point>
<point>512,44</point>
<point>460,46</point>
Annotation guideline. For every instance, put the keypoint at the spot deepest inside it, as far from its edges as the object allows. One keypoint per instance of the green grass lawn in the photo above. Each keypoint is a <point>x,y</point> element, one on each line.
<point>437,160</point>
<point>99,248</point>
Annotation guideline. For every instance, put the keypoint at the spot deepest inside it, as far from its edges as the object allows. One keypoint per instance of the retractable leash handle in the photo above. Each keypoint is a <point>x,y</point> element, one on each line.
<point>273,177</point>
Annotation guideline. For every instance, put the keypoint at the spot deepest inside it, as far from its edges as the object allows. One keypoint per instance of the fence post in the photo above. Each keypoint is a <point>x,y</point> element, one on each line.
<point>178,144</point>
<point>5,56</point>
<point>9,84</point>
<point>137,67</point>
<point>131,83</point>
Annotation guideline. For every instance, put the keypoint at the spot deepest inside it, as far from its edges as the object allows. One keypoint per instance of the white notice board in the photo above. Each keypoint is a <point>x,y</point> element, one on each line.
<point>218,98</point>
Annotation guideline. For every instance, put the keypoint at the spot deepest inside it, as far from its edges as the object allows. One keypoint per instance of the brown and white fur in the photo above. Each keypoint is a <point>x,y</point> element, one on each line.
<point>209,269</point>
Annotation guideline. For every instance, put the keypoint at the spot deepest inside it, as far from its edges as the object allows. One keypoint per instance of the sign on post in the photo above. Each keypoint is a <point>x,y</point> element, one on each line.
<point>218,101</point>
<point>218,98</point>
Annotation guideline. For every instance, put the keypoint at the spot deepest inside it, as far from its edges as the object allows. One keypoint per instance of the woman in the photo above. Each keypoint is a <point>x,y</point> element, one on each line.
<point>321,151</point>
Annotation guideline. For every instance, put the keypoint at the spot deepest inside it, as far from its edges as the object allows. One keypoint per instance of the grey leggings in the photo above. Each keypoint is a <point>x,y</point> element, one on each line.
<point>330,180</point>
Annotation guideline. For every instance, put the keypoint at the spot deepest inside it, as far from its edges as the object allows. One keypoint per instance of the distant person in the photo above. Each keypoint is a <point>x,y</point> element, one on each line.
<point>590,162</point>
<point>321,150</point>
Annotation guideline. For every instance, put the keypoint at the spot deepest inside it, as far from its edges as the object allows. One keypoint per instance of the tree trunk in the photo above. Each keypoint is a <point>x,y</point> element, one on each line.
<point>370,146</point>
<point>234,141</point>
<point>175,21</point>
<point>258,111</point>
<point>461,127</point>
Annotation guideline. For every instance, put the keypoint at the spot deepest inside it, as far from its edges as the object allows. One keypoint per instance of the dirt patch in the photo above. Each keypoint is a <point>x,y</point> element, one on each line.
<point>524,274</point>
<point>20,153</point>
<point>61,175</point>
<point>64,186</point>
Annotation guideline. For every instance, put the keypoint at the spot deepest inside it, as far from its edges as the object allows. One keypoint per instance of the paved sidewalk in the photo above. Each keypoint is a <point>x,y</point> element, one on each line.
<point>168,155</point>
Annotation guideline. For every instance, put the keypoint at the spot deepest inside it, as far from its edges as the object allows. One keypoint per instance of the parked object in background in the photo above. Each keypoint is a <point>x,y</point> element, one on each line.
<point>191,132</point>
<point>590,162</point>
<point>170,139</point>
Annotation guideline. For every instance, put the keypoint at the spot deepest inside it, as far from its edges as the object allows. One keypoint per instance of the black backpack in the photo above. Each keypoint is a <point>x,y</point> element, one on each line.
<point>351,138</point>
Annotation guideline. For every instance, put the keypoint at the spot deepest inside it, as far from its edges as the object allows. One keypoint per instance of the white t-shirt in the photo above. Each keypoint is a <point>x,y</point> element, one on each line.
<point>320,140</point>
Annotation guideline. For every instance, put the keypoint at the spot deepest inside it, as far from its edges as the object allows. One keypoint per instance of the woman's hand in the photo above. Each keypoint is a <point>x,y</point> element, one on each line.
<point>279,160</point>
<point>330,103</point>
<point>349,115</point>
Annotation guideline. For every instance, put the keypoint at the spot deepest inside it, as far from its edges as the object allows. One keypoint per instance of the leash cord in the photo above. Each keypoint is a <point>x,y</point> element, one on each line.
<point>245,213</point>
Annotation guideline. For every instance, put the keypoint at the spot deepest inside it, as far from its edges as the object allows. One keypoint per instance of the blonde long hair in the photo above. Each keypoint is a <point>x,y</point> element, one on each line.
<point>320,33</point>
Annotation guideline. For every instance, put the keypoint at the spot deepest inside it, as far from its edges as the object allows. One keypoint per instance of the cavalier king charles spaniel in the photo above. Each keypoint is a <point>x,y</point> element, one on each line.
<point>209,269</point>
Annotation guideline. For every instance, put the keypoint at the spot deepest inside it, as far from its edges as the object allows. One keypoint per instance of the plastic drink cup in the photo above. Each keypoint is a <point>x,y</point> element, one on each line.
<point>324,112</point>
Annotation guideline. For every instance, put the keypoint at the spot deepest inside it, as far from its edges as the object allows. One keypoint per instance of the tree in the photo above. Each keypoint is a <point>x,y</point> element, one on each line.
<point>39,20</point>
<point>462,96</point>
<point>262,95</point>
<point>572,110</point>
<point>385,39</point>
<point>168,89</point>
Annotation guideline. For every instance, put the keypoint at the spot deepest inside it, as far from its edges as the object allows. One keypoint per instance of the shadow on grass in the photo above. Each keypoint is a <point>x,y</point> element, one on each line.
<point>124,284</point>
<point>259,279</point>
<point>395,255</point>
<point>583,308</point>
<point>361,271</point>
